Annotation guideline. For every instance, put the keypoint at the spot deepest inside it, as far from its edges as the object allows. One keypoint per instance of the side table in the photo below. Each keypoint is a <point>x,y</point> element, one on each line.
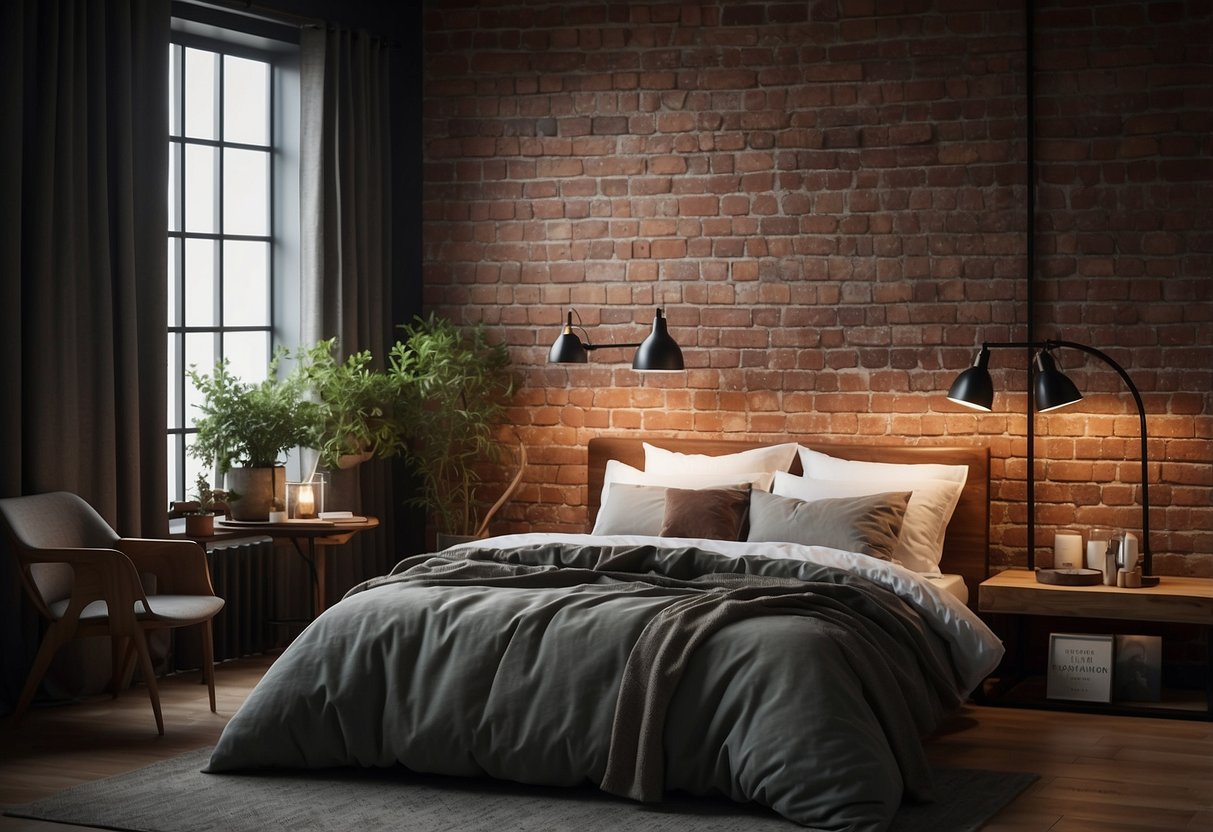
<point>311,539</point>
<point>1179,600</point>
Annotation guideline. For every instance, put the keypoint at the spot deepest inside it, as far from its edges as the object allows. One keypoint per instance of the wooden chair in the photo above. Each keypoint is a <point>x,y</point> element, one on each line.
<point>87,581</point>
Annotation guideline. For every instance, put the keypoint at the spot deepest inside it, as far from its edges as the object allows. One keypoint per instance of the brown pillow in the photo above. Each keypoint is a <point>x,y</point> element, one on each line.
<point>868,525</point>
<point>708,513</point>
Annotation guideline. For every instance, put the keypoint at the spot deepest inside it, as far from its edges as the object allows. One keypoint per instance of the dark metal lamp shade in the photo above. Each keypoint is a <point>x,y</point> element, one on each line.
<point>973,388</point>
<point>568,348</point>
<point>1053,388</point>
<point>659,352</point>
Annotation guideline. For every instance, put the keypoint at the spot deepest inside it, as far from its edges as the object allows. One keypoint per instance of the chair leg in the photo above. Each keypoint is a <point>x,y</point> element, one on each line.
<point>56,636</point>
<point>149,676</point>
<point>208,660</point>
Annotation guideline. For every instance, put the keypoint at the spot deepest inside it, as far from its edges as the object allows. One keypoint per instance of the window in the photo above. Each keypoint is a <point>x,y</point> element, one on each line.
<point>230,245</point>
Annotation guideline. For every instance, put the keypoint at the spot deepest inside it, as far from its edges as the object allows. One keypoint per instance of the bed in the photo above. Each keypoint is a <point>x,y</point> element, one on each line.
<point>683,644</point>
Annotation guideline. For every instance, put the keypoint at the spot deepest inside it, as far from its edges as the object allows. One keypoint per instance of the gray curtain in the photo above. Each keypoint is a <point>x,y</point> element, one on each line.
<point>345,200</point>
<point>82,294</point>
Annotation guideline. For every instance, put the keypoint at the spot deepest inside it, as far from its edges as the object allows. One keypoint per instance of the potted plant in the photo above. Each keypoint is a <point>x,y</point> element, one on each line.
<point>200,513</point>
<point>357,409</point>
<point>456,385</point>
<point>244,429</point>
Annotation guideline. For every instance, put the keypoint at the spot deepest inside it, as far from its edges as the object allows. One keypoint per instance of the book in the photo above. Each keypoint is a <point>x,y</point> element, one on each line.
<point>1137,673</point>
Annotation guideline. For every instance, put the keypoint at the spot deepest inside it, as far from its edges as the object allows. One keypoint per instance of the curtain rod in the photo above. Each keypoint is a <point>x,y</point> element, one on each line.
<point>256,11</point>
<point>274,17</point>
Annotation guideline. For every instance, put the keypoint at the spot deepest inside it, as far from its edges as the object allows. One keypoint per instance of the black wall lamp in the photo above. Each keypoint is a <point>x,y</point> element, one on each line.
<point>657,353</point>
<point>1051,389</point>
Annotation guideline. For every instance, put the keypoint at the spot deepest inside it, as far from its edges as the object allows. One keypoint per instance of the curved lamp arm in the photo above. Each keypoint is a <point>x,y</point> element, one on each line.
<point>1141,415</point>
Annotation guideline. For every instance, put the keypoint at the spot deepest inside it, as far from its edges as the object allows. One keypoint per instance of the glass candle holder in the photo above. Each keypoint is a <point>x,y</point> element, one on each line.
<point>305,500</point>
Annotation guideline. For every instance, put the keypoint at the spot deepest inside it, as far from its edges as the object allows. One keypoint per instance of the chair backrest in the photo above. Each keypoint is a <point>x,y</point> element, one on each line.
<point>58,520</point>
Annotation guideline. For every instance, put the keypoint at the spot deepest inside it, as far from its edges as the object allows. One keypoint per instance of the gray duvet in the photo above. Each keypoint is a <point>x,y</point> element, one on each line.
<point>640,669</point>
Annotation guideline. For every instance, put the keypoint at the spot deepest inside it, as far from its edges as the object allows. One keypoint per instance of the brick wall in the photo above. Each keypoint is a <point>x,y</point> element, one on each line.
<point>1125,232</point>
<point>829,201</point>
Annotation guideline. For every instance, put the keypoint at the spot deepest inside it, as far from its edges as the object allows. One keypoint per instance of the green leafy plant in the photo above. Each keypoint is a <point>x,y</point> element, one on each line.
<point>457,385</point>
<point>209,500</point>
<point>249,425</point>
<point>357,412</point>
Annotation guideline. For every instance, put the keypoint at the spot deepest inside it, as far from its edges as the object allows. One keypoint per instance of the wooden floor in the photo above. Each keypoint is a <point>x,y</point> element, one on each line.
<point>1107,773</point>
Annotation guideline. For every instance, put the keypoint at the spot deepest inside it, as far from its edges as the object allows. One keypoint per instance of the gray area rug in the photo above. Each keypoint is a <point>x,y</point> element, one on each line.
<point>175,796</point>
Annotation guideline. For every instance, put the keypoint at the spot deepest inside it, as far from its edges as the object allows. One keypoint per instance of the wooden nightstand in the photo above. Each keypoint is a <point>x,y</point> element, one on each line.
<point>1016,593</point>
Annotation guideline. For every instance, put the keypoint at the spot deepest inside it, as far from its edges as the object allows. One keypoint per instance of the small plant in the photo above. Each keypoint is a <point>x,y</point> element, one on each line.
<point>209,500</point>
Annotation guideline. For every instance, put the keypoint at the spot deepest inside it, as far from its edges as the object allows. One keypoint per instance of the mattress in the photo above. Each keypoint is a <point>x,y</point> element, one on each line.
<point>954,585</point>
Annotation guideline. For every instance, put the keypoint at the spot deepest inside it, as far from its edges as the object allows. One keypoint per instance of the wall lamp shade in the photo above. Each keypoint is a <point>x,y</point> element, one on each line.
<point>973,388</point>
<point>568,348</point>
<point>659,352</point>
<point>1052,389</point>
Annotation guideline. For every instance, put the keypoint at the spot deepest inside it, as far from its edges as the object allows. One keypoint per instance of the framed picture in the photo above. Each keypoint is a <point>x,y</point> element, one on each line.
<point>1137,676</point>
<point>1080,667</point>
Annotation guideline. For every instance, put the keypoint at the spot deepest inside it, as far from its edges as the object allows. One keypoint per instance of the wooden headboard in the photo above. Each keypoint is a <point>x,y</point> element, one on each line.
<point>966,547</point>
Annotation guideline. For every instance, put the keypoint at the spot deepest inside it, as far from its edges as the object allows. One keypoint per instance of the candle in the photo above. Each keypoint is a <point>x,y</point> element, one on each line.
<point>1097,548</point>
<point>1067,550</point>
<point>307,501</point>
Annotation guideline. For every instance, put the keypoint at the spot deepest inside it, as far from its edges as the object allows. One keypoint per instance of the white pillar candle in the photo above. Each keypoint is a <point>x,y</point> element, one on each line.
<point>1097,548</point>
<point>1067,550</point>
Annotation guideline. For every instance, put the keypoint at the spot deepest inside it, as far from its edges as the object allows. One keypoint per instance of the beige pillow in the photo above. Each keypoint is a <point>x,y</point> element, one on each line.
<point>770,458</point>
<point>868,525</point>
<point>819,466</point>
<point>706,513</point>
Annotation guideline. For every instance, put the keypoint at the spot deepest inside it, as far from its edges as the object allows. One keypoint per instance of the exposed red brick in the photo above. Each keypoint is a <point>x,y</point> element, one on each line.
<point>828,200</point>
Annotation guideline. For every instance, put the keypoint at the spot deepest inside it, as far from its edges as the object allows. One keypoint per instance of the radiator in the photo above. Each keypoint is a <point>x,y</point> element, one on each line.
<point>243,576</point>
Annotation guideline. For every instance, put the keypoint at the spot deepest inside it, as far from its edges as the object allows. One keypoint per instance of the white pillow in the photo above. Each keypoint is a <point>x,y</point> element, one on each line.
<point>920,544</point>
<point>623,474</point>
<point>771,458</point>
<point>819,466</point>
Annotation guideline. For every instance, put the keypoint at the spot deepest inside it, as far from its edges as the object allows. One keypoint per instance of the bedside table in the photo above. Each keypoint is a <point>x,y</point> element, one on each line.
<point>1015,592</point>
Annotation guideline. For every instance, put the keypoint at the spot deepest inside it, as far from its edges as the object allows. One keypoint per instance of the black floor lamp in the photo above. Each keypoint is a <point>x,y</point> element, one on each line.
<point>1051,389</point>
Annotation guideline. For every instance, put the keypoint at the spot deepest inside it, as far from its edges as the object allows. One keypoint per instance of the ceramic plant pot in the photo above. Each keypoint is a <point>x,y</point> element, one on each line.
<point>257,488</point>
<point>200,525</point>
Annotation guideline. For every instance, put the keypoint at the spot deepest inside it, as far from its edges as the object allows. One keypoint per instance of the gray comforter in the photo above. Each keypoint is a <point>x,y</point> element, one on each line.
<point>639,669</point>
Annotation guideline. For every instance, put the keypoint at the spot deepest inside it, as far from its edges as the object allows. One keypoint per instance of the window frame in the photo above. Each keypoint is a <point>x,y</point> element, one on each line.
<point>282,234</point>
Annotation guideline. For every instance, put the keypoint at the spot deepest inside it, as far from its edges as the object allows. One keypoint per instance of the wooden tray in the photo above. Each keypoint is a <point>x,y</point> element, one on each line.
<point>1069,577</point>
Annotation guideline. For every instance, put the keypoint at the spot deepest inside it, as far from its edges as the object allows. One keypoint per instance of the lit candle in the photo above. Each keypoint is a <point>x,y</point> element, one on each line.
<point>307,501</point>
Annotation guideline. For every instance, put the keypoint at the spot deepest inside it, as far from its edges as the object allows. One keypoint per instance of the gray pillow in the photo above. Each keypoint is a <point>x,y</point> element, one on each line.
<point>634,509</point>
<point>868,525</point>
